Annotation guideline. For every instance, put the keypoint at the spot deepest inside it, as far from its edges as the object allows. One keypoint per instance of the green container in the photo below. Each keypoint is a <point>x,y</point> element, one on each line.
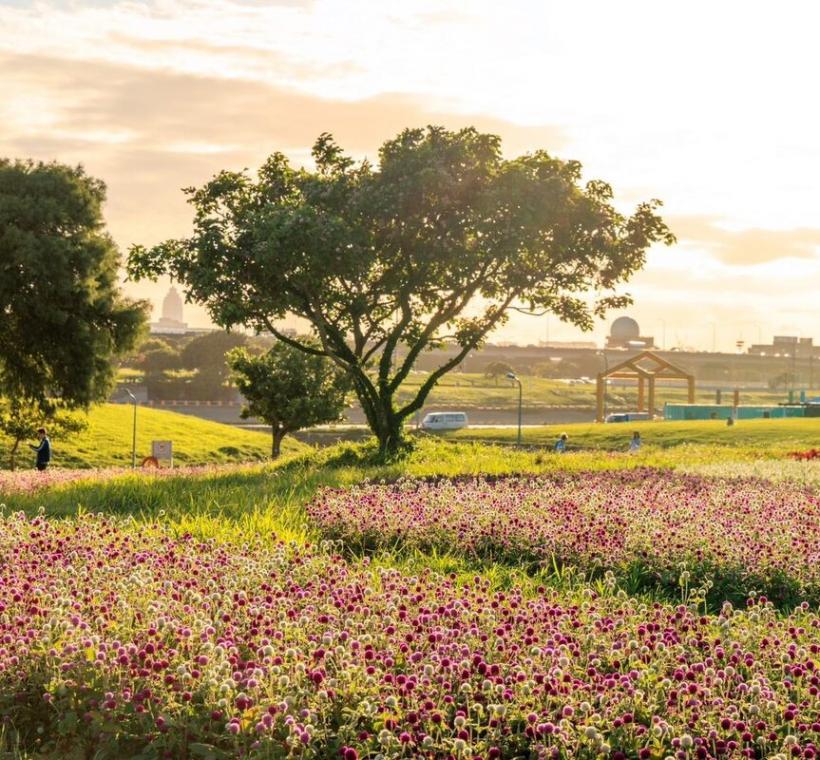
<point>724,411</point>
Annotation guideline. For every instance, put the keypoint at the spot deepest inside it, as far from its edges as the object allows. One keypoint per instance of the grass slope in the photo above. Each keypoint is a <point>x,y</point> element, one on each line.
<point>106,442</point>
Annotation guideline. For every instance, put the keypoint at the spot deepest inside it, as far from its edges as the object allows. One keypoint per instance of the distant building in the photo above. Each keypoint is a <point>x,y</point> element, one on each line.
<point>786,346</point>
<point>585,344</point>
<point>172,320</point>
<point>625,333</point>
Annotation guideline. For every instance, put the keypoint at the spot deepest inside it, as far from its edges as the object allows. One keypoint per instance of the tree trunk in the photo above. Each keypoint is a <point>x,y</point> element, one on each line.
<point>384,422</point>
<point>13,454</point>
<point>276,443</point>
<point>390,438</point>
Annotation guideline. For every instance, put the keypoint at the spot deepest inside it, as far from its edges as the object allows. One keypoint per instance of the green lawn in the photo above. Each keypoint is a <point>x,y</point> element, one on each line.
<point>106,442</point>
<point>465,390</point>
<point>766,437</point>
<point>267,500</point>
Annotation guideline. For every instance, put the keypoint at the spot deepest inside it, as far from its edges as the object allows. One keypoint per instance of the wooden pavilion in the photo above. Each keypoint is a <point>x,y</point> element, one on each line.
<point>645,367</point>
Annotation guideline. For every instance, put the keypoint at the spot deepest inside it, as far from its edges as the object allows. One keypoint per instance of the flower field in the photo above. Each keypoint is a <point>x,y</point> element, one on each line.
<point>803,472</point>
<point>32,481</point>
<point>742,535</point>
<point>133,642</point>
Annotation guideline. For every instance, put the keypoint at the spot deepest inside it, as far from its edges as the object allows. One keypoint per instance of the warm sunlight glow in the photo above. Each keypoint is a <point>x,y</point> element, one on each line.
<point>710,107</point>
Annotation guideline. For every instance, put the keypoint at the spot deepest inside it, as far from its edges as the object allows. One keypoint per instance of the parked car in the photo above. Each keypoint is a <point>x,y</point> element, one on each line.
<point>444,421</point>
<point>628,417</point>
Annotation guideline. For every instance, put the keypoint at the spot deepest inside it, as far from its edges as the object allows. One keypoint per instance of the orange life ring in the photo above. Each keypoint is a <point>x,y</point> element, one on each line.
<point>150,462</point>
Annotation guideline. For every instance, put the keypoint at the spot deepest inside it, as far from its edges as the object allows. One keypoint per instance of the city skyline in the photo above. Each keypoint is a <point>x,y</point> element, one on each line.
<point>713,119</point>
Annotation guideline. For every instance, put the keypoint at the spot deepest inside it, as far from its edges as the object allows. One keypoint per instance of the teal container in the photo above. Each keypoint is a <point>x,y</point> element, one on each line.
<point>681,412</point>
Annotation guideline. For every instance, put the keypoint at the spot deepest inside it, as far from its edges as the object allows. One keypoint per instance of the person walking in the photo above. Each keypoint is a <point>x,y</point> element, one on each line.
<point>635,443</point>
<point>561,444</point>
<point>43,450</point>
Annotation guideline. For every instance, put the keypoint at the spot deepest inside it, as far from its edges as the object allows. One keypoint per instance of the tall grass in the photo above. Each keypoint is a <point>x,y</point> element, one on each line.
<point>267,500</point>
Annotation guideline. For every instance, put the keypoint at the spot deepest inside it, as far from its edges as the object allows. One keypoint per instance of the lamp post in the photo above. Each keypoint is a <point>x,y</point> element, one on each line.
<point>512,376</point>
<point>133,432</point>
<point>602,354</point>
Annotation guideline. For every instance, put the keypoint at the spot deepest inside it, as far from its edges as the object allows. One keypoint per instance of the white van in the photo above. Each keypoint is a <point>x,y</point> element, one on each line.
<point>444,421</point>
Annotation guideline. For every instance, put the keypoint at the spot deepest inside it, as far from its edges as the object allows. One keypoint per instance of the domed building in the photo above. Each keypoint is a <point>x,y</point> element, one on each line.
<point>626,333</point>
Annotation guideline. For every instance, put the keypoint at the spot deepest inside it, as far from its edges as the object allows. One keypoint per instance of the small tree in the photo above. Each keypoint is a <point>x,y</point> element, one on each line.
<point>289,389</point>
<point>437,244</point>
<point>21,420</point>
<point>497,369</point>
<point>206,354</point>
<point>156,361</point>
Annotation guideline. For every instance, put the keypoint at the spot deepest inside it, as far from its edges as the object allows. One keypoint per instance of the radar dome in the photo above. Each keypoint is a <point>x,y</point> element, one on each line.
<point>625,328</point>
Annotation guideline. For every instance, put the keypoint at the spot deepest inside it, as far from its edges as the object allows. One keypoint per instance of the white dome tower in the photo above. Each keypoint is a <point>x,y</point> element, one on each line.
<point>172,306</point>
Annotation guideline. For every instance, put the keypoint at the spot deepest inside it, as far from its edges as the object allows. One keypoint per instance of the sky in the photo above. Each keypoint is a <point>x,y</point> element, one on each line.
<point>710,107</point>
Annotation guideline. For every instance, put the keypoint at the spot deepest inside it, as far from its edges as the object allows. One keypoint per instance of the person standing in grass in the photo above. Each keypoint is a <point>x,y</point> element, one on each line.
<point>561,444</point>
<point>43,450</point>
<point>635,443</point>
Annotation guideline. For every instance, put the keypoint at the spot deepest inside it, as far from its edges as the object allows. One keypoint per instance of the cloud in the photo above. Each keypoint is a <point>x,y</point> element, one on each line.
<point>745,246</point>
<point>150,133</point>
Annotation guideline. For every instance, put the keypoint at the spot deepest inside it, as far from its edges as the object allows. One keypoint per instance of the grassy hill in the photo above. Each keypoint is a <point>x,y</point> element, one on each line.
<point>106,442</point>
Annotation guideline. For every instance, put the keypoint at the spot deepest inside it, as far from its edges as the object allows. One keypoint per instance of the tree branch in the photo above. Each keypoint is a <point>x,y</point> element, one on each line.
<point>290,341</point>
<point>431,381</point>
<point>392,341</point>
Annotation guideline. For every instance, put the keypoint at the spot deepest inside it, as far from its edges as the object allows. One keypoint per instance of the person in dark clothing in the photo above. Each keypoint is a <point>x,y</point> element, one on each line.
<point>43,450</point>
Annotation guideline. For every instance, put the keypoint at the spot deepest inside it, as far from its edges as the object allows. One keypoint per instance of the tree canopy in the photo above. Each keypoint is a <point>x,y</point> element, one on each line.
<point>289,388</point>
<point>436,243</point>
<point>206,353</point>
<point>498,369</point>
<point>156,361</point>
<point>62,314</point>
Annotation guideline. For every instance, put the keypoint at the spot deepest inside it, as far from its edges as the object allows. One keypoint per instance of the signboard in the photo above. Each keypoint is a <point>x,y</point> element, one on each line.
<point>162,450</point>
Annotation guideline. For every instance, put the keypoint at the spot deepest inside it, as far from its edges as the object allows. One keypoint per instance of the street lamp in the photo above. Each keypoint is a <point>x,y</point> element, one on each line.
<point>602,354</point>
<point>133,432</point>
<point>512,376</point>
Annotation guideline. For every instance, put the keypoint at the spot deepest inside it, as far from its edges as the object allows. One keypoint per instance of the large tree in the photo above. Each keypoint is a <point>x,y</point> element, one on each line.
<point>289,388</point>
<point>62,315</point>
<point>437,243</point>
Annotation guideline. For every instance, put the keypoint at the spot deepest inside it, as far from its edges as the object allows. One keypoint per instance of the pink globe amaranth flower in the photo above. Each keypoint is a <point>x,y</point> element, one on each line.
<point>507,638</point>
